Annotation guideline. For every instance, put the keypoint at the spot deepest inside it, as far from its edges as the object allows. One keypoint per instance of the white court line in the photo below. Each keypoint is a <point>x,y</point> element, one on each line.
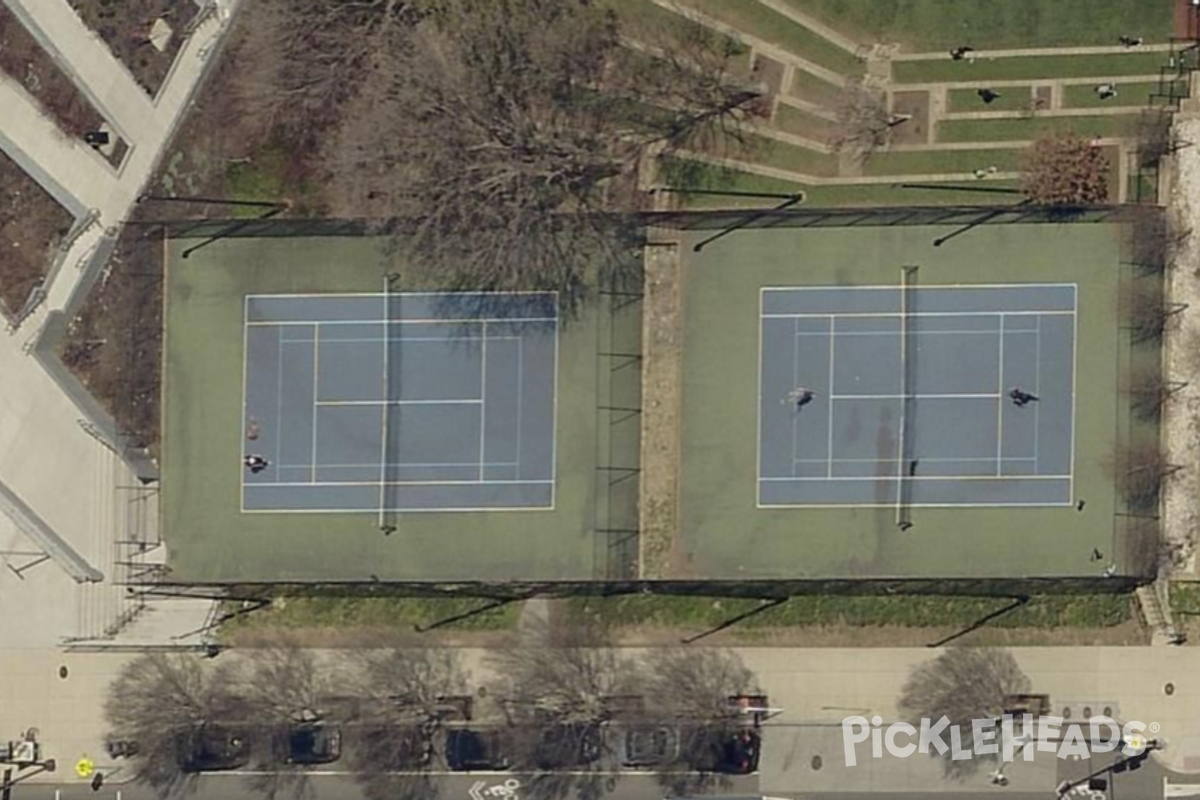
<point>895,333</point>
<point>472,321</point>
<point>383,406</point>
<point>316,397</point>
<point>938,286</point>
<point>404,465</point>
<point>278,426</point>
<point>759,418</point>
<point>245,401</point>
<point>405,509</point>
<point>853,505</point>
<point>468,401</point>
<point>323,295</point>
<point>872,314</point>
<point>520,397</point>
<point>923,459</point>
<point>980,396</point>
<point>1074,393</point>
<point>795,383</point>
<point>1000,404</point>
<point>874,478</point>
<point>1037,390</point>
<point>829,443</point>
<point>382,484</point>
<point>483,400</point>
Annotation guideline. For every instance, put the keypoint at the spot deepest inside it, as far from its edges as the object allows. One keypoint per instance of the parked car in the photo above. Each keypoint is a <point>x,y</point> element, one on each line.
<point>724,750</point>
<point>211,749</point>
<point>647,745</point>
<point>568,745</point>
<point>309,743</point>
<point>468,750</point>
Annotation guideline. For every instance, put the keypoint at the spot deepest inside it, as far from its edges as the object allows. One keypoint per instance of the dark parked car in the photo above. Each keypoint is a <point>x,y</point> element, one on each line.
<point>728,751</point>
<point>568,745</point>
<point>476,750</point>
<point>309,744</point>
<point>647,746</point>
<point>212,749</point>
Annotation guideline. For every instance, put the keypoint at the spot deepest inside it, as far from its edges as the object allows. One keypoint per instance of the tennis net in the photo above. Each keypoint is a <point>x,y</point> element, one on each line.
<point>904,463</point>
<point>387,514</point>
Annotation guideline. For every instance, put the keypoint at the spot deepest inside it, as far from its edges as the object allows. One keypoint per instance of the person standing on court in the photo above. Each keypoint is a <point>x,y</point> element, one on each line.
<point>255,463</point>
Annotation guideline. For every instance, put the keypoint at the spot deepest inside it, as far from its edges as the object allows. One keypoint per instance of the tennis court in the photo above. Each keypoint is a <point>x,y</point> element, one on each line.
<point>910,395</point>
<point>400,402</point>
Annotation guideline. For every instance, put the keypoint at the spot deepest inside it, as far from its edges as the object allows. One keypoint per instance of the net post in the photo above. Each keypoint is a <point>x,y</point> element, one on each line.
<point>903,521</point>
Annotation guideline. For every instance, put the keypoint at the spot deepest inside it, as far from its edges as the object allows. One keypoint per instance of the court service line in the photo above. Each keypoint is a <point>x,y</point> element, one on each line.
<point>316,396</point>
<point>483,339</point>
<point>795,385</point>
<point>404,464</point>
<point>464,321</point>
<point>896,333</point>
<point>245,400</point>
<point>381,484</point>
<point>924,286</point>
<point>920,478</point>
<point>829,443</point>
<point>923,459</point>
<point>279,400</point>
<point>1000,404</point>
<point>465,401</point>
<point>1074,374</point>
<point>981,396</point>
<point>1037,390</point>
<point>857,314</point>
<point>520,398</point>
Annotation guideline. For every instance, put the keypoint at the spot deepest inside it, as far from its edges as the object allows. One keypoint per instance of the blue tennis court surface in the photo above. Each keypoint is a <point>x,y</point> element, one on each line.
<point>400,402</point>
<point>910,395</point>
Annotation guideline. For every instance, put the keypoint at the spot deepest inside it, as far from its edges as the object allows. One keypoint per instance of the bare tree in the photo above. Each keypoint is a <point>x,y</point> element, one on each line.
<point>962,684</point>
<point>285,686</point>
<point>693,689</point>
<point>1139,468</point>
<point>405,695</point>
<point>558,686</point>
<point>864,122</point>
<point>501,128</point>
<point>1065,169</point>
<point>1150,241</point>
<point>159,701</point>
<point>1146,311</point>
<point>1149,390</point>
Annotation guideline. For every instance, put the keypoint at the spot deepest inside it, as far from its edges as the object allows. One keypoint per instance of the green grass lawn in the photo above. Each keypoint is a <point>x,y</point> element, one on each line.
<point>758,20</point>
<point>1047,611</point>
<point>1012,98</point>
<point>1029,68</point>
<point>925,162</point>
<point>642,19</point>
<point>1185,599</point>
<point>802,123</point>
<point>793,158</point>
<point>942,24</point>
<point>342,613</point>
<point>1009,130</point>
<point>812,89</point>
<point>704,176</point>
<point>1134,93</point>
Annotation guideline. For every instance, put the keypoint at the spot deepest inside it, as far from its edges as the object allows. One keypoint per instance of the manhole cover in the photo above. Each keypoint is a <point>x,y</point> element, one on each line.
<point>63,672</point>
<point>1169,689</point>
<point>817,762</point>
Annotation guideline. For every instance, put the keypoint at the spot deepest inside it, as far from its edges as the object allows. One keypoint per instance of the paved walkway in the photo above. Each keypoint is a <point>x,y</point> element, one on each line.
<point>814,688</point>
